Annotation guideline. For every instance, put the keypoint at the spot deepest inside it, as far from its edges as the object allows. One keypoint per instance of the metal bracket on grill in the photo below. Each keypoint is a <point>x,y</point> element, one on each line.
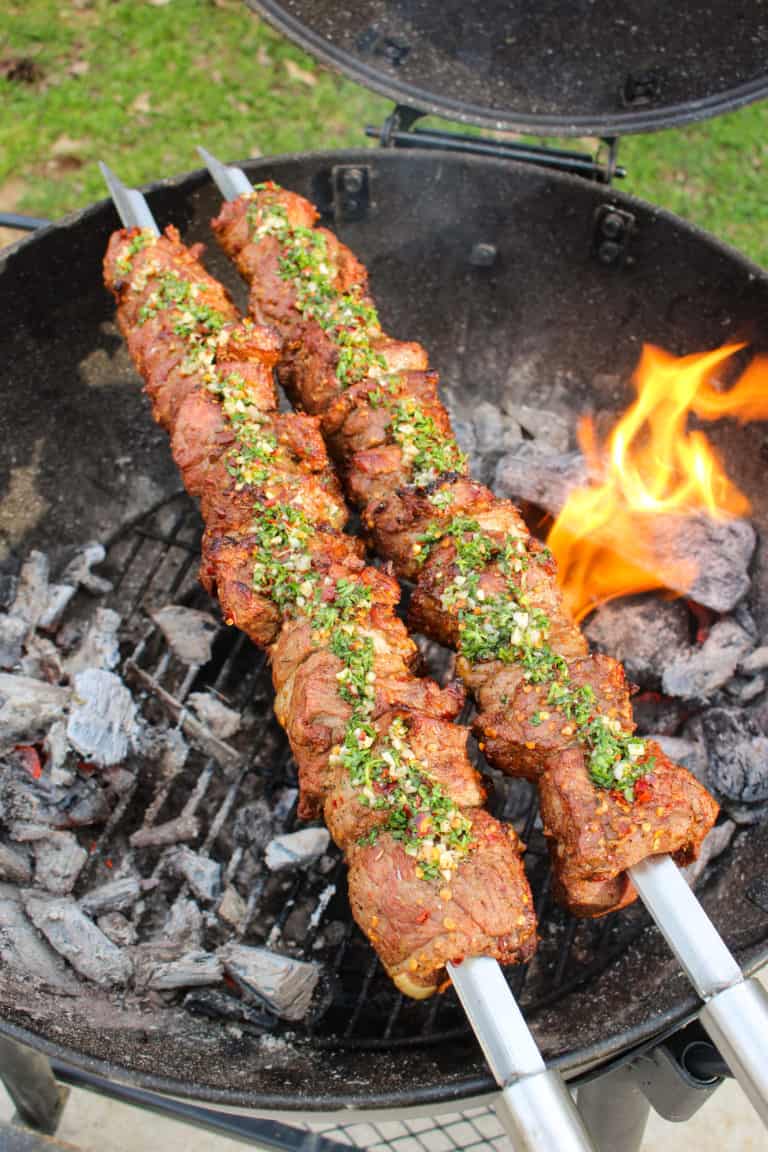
<point>398,131</point>
<point>613,232</point>
<point>351,191</point>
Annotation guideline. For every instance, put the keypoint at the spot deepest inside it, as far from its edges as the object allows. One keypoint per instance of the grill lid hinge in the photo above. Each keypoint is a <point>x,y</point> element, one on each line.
<point>398,131</point>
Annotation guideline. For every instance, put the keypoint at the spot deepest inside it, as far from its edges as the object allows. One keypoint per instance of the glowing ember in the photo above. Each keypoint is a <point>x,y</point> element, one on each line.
<point>651,465</point>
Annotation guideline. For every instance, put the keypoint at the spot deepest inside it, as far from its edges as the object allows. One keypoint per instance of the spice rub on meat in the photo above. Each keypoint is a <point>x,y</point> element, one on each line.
<point>370,738</point>
<point>483,586</point>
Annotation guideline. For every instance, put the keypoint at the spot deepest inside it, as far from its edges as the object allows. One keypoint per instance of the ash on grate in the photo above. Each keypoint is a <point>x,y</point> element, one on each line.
<point>132,836</point>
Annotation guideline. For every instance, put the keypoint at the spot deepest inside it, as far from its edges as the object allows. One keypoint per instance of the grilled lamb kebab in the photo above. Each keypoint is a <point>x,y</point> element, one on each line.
<point>432,876</point>
<point>548,710</point>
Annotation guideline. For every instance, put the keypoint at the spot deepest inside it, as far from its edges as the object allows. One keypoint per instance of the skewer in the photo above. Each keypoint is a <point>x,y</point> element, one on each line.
<point>535,1106</point>
<point>735,1011</point>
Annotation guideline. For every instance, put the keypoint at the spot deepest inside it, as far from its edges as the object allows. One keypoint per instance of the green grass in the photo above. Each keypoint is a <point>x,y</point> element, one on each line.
<point>140,83</point>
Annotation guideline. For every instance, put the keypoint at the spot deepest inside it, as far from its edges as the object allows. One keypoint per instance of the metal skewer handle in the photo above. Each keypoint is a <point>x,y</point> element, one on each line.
<point>535,1106</point>
<point>735,1012</point>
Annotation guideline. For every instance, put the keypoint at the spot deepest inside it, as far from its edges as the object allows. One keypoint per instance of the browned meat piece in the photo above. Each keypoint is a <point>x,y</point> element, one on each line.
<point>595,835</point>
<point>416,928</point>
<point>350,815</point>
<point>519,727</point>
<point>226,571</point>
<point>358,419</point>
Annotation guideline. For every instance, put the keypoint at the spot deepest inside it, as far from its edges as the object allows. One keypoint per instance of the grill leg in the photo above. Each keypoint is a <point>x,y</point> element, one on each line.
<point>615,1111</point>
<point>30,1083</point>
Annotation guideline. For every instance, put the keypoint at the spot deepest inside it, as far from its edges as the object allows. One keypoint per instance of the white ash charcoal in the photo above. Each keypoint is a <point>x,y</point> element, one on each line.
<point>690,754</point>
<point>495,431</point>
<point>713,845</point>
<point>189,633</point>
<point>59,597</point>
<point>176,831</point>
<point>31,598</point>
<point>102,722</point>
<point>254,823</point>
<point>13,631</point>
<point>80,805</point>
<point>721,549</point>
<point>640,632</point>
<point>25,952</point>
<point>745,690</point>
<point>56,748</point>
<point>100,647</point>
<point>28,708</point>
<point>655,713</point>
<point>14,865</point>
<point>118,928</point>
<point>59,860</point>
<point>201,873</point>
<point>323,901</point>
<point>214,1004</point>
<point>757,661</point>
<point>42,660</point>
<point>283,803</point>
<point>546,426</point>
<point>214,713</point>
<point>296,849</point>
<point>232,908</point>
<point>698,672</point>
<point>79,570</point>
<point>77,939</point>
<point>527,473</point>
<point>194,969</point>
<point>283,984</point>
<point>464,431</point>
<point>115,896</point>
<point>439,662</point>
<point>738,755</point>
<point>184,925</point>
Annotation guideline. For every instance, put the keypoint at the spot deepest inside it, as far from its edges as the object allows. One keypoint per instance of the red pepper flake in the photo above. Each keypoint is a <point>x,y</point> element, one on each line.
<point>30,758</point>
<point>643,790</point>
<point>92,846</point>
<point>422,917</point>
<point>108,863</point>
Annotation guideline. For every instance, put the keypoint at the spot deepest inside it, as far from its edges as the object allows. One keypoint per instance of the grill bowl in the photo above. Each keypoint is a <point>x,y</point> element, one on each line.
<point>546,317</point>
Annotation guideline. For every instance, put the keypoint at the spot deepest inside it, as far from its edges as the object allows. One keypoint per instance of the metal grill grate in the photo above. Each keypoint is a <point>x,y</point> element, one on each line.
<point>476,1130</point>
<point>153,562</point>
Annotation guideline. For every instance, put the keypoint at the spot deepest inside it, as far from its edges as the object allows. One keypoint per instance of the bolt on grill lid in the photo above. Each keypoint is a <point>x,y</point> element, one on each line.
<point>580,67</point>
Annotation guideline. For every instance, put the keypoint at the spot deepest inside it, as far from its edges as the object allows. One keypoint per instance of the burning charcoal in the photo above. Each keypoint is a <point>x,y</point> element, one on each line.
<point>80,805</point>
<point>232,908</point>
<point>253,825</point>
<point>8,586</point>
<point>100,647</point>
<point>216,1005</point>
<point>78,939</point>
<point>59,596</point>
<point>184,925</point>
<point>32,590</point>
<point>42,660</point>
<point>757,661</point>
<point>548,427</point>
<point>115,896</point>
<point>713,845</point>
<point>189,633</point>
<point>738,756</point>
<point>691,754</point>
<point>283,984</point>
<point>119,930</point>
<point>640,632</point>
<point>14,865</point>
<point>283,803</point>
<point>201,873</point>
<point>697,673</point>
<point>183,827</point>
<point>191,970</point>
<point>58,862</point>
<point>13,630</point>
<point>102,723</point>
<point>222,721</point>
<point>296,849</point>
<point>28,708</point>
<point>494,430</point>
<point>26,953</point>
<point>439,662</point>
<point>78,571</point>
<point>653,712</point>
<point>528,474</point>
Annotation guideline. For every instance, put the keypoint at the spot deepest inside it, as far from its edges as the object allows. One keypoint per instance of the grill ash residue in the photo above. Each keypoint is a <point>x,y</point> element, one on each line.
<point>147,802</point>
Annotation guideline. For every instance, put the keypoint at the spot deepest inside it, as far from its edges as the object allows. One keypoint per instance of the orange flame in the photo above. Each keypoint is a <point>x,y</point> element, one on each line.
<point>652,465</point>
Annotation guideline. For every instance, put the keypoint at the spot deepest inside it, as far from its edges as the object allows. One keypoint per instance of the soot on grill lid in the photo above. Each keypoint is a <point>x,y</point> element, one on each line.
<point>596,67</point>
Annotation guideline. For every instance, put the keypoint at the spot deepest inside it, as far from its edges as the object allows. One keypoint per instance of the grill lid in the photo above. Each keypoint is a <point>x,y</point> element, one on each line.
<point>585,67</point>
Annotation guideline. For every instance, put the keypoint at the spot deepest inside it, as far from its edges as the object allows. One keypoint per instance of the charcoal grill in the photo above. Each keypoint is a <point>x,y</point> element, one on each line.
<point>523,280</point>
